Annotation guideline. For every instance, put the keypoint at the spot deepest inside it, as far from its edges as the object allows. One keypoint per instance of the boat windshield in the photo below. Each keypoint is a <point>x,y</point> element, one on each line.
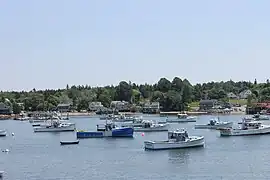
<point>178,136</point>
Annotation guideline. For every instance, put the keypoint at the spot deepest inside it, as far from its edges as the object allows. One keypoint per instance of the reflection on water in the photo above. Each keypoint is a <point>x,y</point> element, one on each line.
<point>182,156</point>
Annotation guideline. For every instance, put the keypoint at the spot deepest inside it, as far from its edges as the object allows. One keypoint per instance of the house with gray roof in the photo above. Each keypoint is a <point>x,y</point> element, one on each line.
<point>4,109</point>
<point>208,104</point>
<point>63,107</point>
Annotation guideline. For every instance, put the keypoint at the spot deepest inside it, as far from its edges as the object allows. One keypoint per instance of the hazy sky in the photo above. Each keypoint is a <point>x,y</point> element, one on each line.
<point>51,43</point>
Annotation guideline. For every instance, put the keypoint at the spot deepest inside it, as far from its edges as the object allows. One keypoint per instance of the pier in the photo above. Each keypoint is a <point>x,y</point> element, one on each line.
<point>174,113</point>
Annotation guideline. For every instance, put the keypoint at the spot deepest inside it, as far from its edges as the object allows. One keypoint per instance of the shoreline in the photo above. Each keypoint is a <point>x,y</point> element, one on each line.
<point>171,113</point>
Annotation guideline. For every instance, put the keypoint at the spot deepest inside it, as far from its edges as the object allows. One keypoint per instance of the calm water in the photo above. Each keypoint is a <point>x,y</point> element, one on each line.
<point>35,156</point>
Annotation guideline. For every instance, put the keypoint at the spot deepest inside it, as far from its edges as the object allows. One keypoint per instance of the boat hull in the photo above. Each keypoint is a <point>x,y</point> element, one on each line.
<point>151,129</point>
<point>181,120</point>
<point>195,141</point>
<point>121,132</point>
<point>53,129</point>
<point>3,133</point>
<point>238,132</point>
<point>216,126</point>
<point>69,142</point>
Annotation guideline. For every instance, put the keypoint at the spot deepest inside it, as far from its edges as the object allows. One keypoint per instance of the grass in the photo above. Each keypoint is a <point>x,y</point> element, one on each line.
<point>238,101</point>
<point>194,104</point>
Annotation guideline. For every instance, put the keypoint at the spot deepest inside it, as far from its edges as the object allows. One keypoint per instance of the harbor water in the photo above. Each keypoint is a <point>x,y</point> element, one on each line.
<point>40,156</point>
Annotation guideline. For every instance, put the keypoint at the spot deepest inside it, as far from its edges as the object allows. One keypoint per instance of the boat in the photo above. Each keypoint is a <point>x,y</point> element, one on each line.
<point>182,118</point>
<point>257,117</point>
<point>3,133</point>
<point>137,122</point>
<point>69,142</point>
<point>1,174</point>
<point>107,117</point>
<point>107,130</point>
<point>214,124</point>
<point>36,124</point>
<point>150,126</point>
<point>124,118</point>
<point>176,140</point>
<point>246,128</point>
<point>44,122</point>
<point>55,126</point>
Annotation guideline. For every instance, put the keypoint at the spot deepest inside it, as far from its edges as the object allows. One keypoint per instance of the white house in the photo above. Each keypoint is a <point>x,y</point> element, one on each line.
<point>120,105</point>
<point>152,107</point>
<point>94,106</point>
<point>244,94</point>
<point>231,95</point>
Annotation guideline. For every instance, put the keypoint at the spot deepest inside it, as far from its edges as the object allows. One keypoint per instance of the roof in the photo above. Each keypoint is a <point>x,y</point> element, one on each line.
<point>3,106</point>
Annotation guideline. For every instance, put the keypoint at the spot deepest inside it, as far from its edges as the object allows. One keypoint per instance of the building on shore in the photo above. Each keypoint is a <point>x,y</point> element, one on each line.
<point>151,108</point>
<point>94,106</point>
<point>4,109</point>
<point>64,107</point>
<point>121,106</point>
<point>208,104</point>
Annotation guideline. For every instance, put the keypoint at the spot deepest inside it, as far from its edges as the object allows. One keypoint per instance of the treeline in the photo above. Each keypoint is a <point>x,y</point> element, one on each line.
<point>172,95</point>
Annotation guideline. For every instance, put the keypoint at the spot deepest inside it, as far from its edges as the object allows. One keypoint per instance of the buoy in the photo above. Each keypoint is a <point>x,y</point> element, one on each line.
<point>142,134</point>
<point>6,150</point>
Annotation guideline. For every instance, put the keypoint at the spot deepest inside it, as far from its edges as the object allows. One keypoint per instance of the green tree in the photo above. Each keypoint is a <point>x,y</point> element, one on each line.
<point>123,91</point>
<point>164,85</point>
<point>16,108</point>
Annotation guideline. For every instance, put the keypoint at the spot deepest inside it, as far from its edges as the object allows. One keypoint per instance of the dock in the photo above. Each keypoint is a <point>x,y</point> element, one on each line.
<point>174,113</point>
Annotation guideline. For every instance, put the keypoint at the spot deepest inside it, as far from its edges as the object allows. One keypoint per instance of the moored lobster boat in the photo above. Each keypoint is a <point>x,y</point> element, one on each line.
<point>182,118</point>
<point>107,130</point>
<point>214,124</point>
<point>55,126</point>
<point>246,128</point>
<point>176,139</point>
<point>3,132</point>
<point>257,117</point>
<point>150,126</point>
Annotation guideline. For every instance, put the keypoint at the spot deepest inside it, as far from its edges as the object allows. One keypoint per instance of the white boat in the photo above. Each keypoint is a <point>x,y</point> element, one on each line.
<point>150,126</point>
<point>107,117</point>
<point>55,126</point>
<point>183,118</point>
<point>3,133</point>
<point>176,140</point>
<point>137,122</point>
<point>214,124</point>
<point>257,117</point>
<point>246,128</point>
<point>124,118</point>
<point>46,122</point>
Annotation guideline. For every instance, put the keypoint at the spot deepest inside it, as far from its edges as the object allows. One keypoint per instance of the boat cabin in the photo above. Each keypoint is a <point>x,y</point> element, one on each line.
<point>178,135</point>
<point>55,124</point>
<point>256,116</point>
<point>106,127</point>
<point>212,122</point>
<point>182,116</point>
<point>250,125</point>
<point>147,124</point>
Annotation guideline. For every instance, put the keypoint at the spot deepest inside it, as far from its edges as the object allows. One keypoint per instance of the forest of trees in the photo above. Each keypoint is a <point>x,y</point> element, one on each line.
<point>172,95</point>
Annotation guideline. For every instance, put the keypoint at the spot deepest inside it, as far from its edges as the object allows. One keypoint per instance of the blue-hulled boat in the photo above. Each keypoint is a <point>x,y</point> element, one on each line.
<point>108,130</point>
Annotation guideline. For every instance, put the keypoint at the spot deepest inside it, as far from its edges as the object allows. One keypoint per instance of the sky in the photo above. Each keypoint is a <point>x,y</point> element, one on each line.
<point>47,44</point>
